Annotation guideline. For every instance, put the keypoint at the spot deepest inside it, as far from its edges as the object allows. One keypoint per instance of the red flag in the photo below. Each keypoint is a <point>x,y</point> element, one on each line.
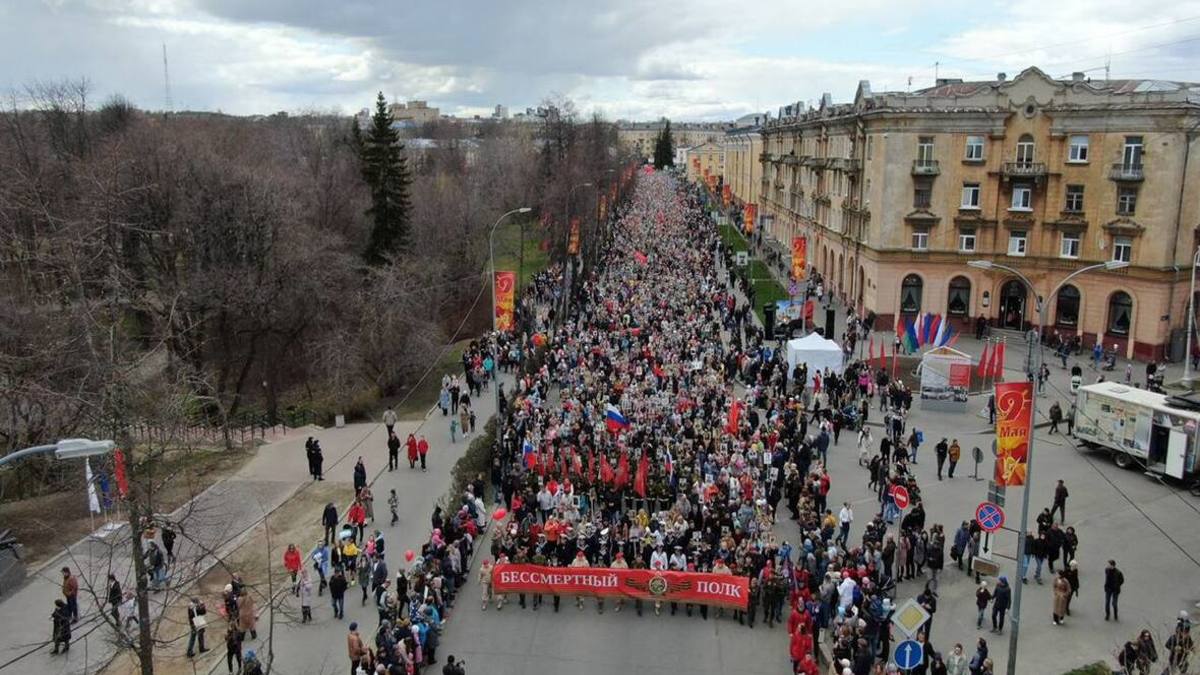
<point>564,463</point>
<point>606,472</point>
<point>119,469</point>
<point>639,479</point>
<point>809,309</point>
<point>984,364</point>
<point>998,366</point>
<point>622,477</point>
<point>735,413</point>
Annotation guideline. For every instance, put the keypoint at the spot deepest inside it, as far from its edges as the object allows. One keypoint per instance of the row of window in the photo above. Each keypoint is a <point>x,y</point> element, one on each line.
<point>1022,198</point>
<point>1026,150</point>
<point>1018,244</point>
<point>1011,305</point>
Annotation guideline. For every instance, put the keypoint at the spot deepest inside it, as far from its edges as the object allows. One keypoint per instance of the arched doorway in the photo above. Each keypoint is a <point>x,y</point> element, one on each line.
<point>841,285</point>
<point>862,281</point>
<point>910,294</point>
<point>1012,305</point>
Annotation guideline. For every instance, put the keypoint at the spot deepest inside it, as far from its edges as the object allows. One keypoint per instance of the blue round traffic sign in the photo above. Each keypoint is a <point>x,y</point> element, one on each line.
<point>909,654</point>
<point>989,516</point>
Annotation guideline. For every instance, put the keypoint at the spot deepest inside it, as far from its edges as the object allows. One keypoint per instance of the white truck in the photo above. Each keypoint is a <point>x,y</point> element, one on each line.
<point>1158,432</point>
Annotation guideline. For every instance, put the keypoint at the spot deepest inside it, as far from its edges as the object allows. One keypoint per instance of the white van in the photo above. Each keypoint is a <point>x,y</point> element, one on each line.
<point>1156,431</point>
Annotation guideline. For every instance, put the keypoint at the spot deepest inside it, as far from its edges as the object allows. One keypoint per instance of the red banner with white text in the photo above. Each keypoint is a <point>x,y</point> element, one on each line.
<point>721,590</point>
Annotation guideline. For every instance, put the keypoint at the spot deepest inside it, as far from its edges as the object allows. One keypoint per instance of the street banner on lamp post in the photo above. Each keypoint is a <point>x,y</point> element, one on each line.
<point>505,289</point>
<point>799,257</point>
<point>726,195</point>
<point>573,243</point>
<point>1014,427</point>
<point>750,214</point>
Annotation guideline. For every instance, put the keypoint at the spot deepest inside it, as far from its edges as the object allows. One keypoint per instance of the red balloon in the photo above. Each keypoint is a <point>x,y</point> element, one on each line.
<point>409,555</point>
<point>499,514</point>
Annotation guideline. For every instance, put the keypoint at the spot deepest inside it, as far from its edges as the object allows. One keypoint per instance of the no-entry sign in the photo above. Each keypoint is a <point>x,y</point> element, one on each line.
<point>900,496</point>
<point>989,516</point>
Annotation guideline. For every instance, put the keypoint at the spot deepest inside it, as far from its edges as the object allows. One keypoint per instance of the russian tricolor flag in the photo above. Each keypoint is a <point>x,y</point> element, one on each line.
<point>529,455</point>
<point>614,419</point>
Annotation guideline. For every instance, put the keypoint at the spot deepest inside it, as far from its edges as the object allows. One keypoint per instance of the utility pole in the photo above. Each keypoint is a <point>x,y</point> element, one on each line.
<point>168,104</point>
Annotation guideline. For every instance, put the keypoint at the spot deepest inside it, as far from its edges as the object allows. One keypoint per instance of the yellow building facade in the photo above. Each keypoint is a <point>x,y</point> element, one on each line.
<point>639,137</point>
<point>897,191</point>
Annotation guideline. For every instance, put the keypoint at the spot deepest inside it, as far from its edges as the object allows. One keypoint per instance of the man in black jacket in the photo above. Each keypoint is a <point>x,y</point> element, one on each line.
<point>337,593</point>
<point>329,519</point>
<point>1113,580</point>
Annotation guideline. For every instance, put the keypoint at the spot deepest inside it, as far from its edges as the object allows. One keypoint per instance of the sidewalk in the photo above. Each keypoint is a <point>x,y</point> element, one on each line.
<point>320,646</point>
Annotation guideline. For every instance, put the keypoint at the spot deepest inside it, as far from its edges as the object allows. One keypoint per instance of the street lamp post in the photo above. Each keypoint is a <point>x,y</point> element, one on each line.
<point>67,448</point>
<point>1035,365</point>
<point>568,270</point>
<point>495,356</point>
<point>1191,319</point>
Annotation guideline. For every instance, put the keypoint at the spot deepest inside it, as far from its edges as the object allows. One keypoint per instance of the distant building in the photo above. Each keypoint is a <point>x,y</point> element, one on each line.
<point>742,172</point>
<point>640,136</point>
<point>501,112</point>
<point>413,113</point>
<point>681,155</point>
<point>706,159</point>
<point>419,148</point>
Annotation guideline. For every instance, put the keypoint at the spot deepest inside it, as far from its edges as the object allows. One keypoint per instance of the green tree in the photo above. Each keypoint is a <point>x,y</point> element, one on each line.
<point>385,171</point>
<point>664,148</point>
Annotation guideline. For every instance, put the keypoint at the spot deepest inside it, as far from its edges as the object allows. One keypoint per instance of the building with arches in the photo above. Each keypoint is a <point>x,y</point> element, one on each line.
<point>896,191</point>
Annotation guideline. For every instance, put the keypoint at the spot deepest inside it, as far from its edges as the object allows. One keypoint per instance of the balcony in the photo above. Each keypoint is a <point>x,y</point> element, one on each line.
<point>845,164</point>
<point>926,167</point>
<point>765,157</point>
<point>1131,173</point>
<point>1023,170</point>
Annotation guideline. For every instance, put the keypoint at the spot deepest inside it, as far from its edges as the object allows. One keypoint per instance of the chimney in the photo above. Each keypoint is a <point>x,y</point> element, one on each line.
<point>1000,77</point>
<point>1077,76</point>
<point>948,80</point>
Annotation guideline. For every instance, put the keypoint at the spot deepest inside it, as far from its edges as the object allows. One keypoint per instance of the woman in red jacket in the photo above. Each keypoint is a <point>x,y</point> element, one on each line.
<point>411,445</point>
<point>801,646</point>
<point>291,562</point>
<point>357,515</point>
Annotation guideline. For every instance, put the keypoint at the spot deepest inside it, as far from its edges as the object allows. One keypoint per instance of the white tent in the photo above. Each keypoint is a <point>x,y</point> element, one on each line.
<point>817,352</point>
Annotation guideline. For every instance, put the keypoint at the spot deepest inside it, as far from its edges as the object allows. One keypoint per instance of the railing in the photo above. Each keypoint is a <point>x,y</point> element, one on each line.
<point>926,167</point>
<point>845,164</point>
<point>1024,169</point>
<point>1126,172</point>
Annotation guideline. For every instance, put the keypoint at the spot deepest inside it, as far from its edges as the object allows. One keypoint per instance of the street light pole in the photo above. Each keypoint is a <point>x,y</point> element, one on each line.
<point>67,448</point>
<point>495,356</point>
<point>568,267</point>
<point>1191,319</point>
<point>1035,366</point>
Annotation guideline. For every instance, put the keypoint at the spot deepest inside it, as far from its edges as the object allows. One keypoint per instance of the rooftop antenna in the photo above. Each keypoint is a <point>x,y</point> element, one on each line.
<point>168,105</point>
<point>908,88</point>
<point>936,66</point>
<point>1107,64</point>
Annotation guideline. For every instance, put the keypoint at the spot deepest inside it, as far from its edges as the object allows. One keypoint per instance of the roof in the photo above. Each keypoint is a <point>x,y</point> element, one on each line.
<point>1135,395</point>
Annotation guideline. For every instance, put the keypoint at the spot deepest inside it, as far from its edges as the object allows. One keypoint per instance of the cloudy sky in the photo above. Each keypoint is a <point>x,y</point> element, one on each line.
<point>633,59</point>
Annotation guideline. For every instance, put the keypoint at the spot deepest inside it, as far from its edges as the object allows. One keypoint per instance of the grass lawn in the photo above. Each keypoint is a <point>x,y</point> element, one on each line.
<point>508,248</point>
<point>732,239</point>
<point>766,288</point>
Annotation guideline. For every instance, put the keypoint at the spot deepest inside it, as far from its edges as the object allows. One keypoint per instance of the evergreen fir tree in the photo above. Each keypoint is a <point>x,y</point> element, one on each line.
<point>385,170</point>
<point>664,148</point>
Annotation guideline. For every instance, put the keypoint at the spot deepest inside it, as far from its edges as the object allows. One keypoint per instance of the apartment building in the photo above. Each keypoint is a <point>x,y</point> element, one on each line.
<point>897,191</point>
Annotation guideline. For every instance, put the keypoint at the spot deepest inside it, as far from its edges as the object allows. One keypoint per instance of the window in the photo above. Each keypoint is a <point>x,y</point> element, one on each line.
<point>1074,203</point>
<point>1131,155</point>
<point>925,149</point>
<point>1066,312</point>
<point>966,241</point>
<point>1126,200</point>
<point>1077,149</point>
<point>970,196</point>
<point>1022,198</point>
<point>920,240</point>
<point>922,196</point>
<point>959,301</point>
<point>1120,313</point>
<point>1122,249</point>
<point>910,294</point>
<point>870,146</point>
<point>974,149</point>
<point>1025,149</point>
<point>1017,242</point>
<point>1069,248</point>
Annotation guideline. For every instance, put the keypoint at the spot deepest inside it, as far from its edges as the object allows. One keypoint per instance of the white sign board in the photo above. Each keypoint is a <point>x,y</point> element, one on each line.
<point>741,258</point>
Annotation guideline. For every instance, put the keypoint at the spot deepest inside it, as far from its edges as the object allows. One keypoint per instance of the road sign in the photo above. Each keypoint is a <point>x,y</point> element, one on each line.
<point>909,617</point>
<point>900,496</point>
<point>909,654</point>
<point>989,516</point>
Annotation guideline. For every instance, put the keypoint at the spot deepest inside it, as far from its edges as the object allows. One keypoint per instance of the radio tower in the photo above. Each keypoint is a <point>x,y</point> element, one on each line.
<point>168,105</point>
